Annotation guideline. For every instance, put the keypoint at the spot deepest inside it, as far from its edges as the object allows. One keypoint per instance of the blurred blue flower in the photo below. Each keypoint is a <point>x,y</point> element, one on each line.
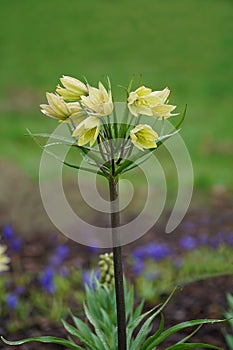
<point>15,244</point>
<point>216,241</point>
<point>12,300</point>
<point>138,266</point>
<point>139,253</point>
<point>229,239</point>
<point>60,254</point>
<point>188,242</point>
<point>7,232</point>
<point>47,280</point>
<point>19,290</point>
<point>157,251</point>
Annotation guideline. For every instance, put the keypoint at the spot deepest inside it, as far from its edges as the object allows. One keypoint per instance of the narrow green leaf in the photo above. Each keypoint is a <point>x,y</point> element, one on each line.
<point>183,325</point>
<point>148,345</point>
<point>98,331</point>
<point>190,335</point>
<point>193,346</point>
<point>47,339</point>
<point>182,118</point>
<point>73,331</point>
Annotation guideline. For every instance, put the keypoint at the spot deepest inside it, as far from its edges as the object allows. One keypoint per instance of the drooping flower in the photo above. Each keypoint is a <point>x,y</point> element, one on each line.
<point>143,136</point>
<point>151,103</point>
<point>73,88</point>
<point>163,111</point>
<point>87,131</point>
<point>98,102</point>
<point>141,100</point>
<point>4,260</point>
<point>56,108</point>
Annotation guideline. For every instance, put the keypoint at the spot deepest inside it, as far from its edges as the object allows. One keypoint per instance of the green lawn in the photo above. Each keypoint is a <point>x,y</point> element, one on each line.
<point>183,44</point>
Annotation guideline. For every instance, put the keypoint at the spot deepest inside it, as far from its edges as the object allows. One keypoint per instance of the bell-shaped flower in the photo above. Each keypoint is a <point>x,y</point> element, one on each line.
<point>98,102</point>
<point>143,136</point>
<point>56,108</point>
<point>72,89</point>
<point>163,111</point>
<point>142,100</point>
<point>87,131</point>
<point>4,260</point>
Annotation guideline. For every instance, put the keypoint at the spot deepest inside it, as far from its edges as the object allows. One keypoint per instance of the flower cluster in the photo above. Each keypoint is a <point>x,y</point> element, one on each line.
<point>106,270</point>
<point>91,116</point>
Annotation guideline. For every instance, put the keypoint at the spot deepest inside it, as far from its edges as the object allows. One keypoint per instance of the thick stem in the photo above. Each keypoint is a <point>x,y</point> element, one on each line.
<point>118,269</point>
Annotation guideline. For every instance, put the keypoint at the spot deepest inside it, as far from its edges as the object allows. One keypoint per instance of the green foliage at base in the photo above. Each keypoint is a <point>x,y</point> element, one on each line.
<point>99,331</point>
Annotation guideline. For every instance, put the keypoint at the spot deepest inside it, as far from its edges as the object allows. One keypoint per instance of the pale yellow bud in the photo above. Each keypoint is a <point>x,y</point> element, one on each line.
<point>73,88</point>
<point>56,108</point>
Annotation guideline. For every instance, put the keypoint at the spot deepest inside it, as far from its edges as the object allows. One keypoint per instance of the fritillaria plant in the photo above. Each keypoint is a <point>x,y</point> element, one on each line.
<point>93,122</point>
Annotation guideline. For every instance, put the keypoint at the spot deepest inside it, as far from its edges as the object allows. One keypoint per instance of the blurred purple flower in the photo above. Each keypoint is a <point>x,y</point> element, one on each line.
<point>7,232</point>
<point>19,290</point>
<point>47,280</point>
<point>138,266</point>
<point>15,244</point>
<point>188,242</point>
<point>229,239</point>
<point>60,254</point>
<point>157,251</point>
<point>216,241</point>
<point>12,300</point>
<point>139,253</point>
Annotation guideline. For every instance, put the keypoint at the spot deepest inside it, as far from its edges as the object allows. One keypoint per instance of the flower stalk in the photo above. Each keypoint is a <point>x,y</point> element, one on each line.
<point>117,259</point>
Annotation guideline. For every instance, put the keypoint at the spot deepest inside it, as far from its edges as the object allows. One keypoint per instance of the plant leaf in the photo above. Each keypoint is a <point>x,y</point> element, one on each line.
<point>98,331</point>
<point>192,346</point>
<point>46,339</point>
<point>84,340</point>
<point>148,345</point>
<point>183,325</point>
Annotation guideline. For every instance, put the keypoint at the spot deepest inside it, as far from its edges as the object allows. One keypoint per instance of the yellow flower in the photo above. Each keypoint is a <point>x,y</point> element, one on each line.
<point>4,260</point>
<point>143,136</point>
<point>56,108</point>
<point>163,111</point>
<point>73,88</point>
<point>147,102</point>
<point>98,102</point>
<point>87,131</point>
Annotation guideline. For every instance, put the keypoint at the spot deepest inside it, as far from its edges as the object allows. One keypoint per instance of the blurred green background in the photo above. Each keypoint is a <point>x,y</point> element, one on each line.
<point>184,44</point>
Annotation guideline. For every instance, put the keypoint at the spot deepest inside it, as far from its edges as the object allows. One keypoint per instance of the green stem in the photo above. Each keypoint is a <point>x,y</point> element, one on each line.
<point>118,268</point>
